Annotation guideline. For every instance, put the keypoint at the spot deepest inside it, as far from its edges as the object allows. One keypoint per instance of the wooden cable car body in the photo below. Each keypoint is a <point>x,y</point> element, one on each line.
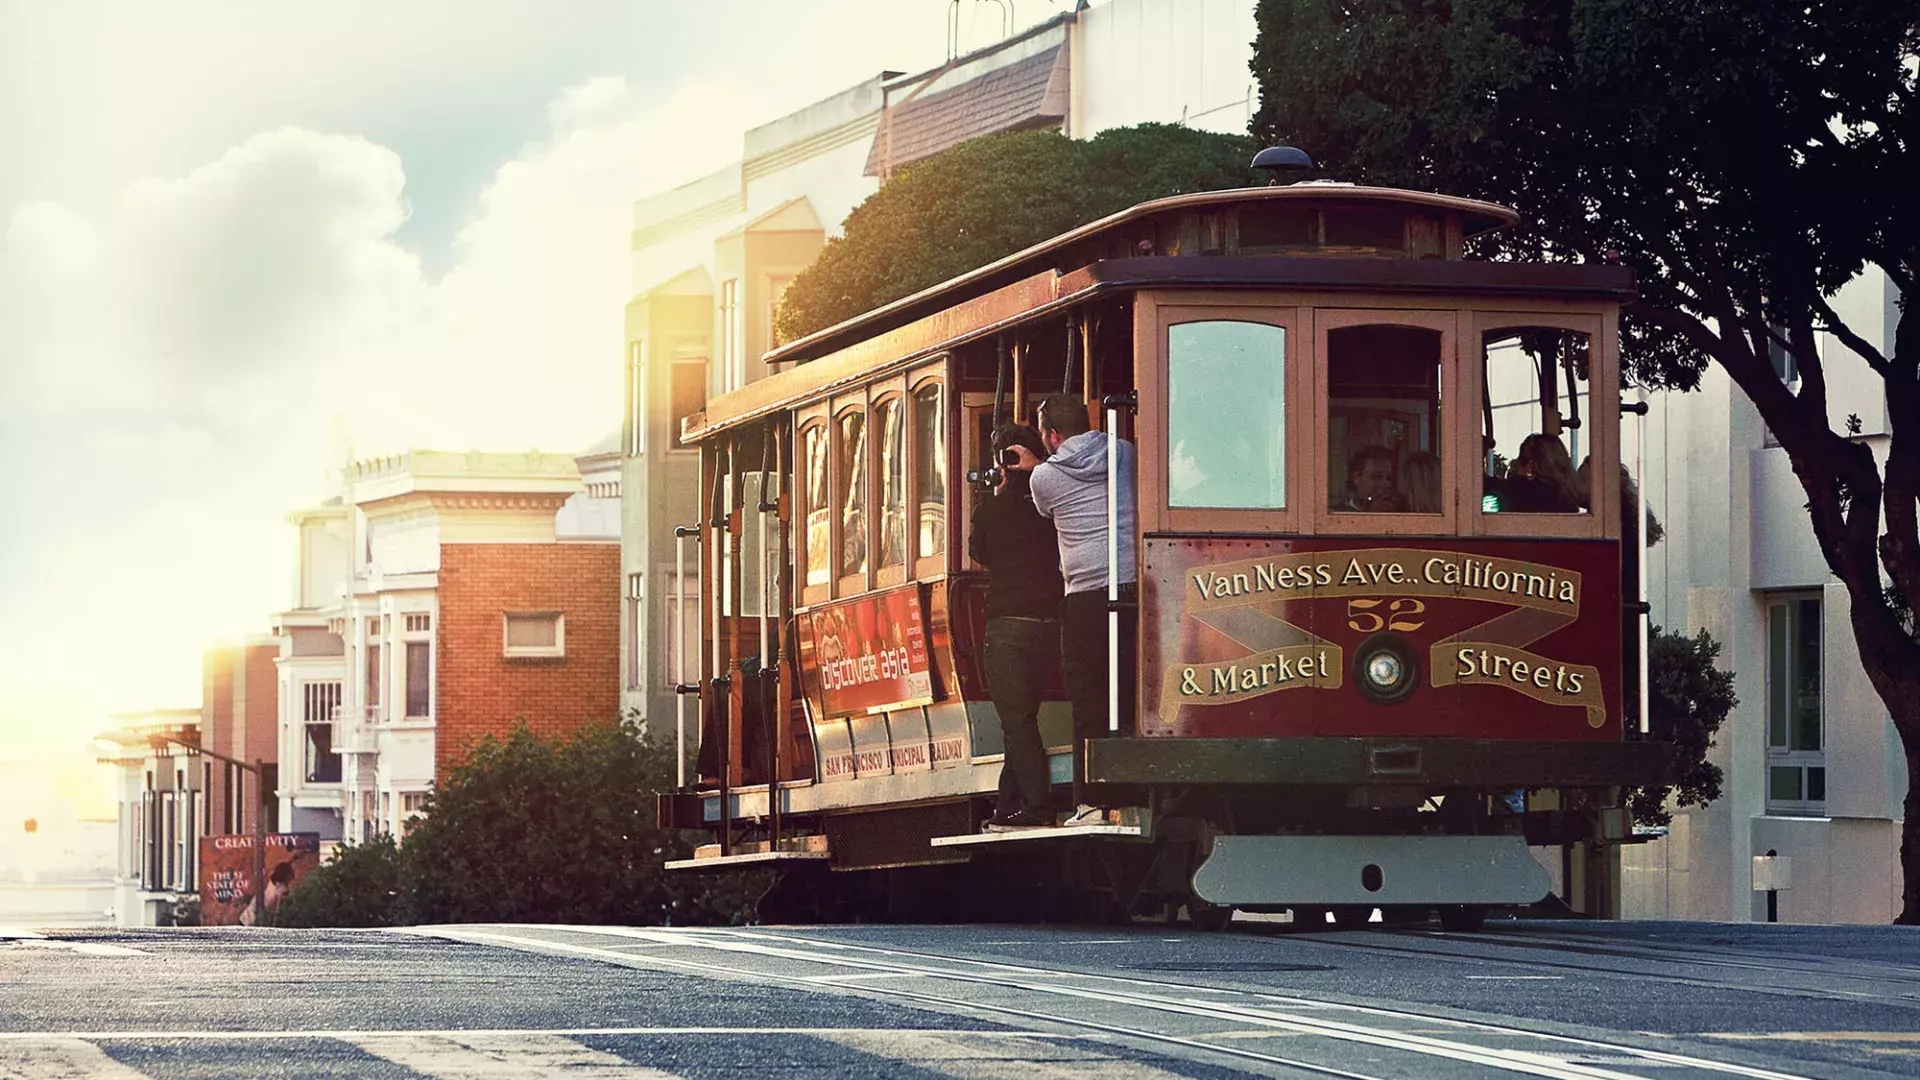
<point>1272,341</point>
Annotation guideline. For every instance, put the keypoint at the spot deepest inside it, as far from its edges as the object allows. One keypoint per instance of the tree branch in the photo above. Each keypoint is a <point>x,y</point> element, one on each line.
<point>1833,324</point>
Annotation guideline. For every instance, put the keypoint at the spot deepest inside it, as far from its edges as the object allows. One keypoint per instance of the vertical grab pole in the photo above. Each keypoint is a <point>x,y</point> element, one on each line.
<point>1113,569</point>
<point>680,653</point>
<point>770,728</point>
<point>1641,511</point>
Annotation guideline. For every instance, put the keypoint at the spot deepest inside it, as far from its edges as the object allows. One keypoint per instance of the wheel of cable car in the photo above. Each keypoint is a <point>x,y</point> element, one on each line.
<point>1404,915</point>
<point>1309,917</point>
<point>1462,917</point>
<point>1211,918</point>
<point>1352,916</point>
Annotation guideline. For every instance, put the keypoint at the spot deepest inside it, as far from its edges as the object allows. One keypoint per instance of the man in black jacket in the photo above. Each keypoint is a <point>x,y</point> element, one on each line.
<point>1022,557</point>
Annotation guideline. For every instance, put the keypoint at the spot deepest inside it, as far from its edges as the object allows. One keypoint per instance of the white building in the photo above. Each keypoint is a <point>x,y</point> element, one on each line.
<point>1814,769</point>
<point>160,788</point>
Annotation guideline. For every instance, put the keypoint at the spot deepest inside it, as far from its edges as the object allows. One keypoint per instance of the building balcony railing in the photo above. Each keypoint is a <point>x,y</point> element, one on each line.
<point>354,730</point>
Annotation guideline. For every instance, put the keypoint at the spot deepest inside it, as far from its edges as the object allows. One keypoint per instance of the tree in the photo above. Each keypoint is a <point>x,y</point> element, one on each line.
<point>1746,157</point>
<point>991,197</point>
<point>1690,699</point>
<point>530,828</point>
<point>535,828</point>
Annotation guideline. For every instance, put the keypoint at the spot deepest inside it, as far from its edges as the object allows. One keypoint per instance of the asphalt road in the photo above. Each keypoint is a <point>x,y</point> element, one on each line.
<point>1595,1001</point>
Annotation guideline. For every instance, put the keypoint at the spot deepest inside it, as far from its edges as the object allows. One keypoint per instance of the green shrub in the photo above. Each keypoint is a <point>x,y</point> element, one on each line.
<point>358,886</point>
<point>531,828</point>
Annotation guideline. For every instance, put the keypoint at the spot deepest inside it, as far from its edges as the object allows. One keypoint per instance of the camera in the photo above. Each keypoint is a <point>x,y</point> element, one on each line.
<point>989,477</point>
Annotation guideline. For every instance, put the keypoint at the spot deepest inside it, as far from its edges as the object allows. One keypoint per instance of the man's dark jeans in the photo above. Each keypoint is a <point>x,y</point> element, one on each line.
<point>1019,654</point>
<point>1083,656</point>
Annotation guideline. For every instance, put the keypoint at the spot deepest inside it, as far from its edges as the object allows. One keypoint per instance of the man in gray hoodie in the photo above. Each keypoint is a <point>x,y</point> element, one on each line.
<point>1070,488</point>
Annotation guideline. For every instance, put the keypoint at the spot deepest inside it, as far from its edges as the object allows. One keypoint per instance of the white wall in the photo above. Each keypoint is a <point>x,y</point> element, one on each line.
<point>1737,530</point>
<point>1170,61</point>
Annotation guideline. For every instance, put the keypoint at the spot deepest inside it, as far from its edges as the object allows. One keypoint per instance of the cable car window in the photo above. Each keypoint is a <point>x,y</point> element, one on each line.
<point>930,470</point>
<point>893,483</point>
<point>1533,444</point>
<point>819,506</point>
<point>1383,420</point>
<point>1227,415</point>
<point>852,445</point>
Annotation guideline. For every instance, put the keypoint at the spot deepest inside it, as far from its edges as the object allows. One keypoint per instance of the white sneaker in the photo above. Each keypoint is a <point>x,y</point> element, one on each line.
<point>1085,815</point>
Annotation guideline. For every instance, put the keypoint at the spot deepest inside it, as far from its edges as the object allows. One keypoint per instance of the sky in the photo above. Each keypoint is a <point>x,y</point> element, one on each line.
<point>228,230</point>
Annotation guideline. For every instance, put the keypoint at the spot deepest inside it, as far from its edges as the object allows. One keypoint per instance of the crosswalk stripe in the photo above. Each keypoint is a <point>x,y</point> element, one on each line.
<point>998,1058</point>
<point>60,1059</point>
<point>498,1057</point>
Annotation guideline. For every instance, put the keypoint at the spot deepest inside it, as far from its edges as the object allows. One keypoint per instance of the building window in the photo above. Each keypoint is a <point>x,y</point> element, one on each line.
<point>1796,736</point>
<point>636,631</point>
<point>733,366</point>
<point>419,622</point>
<point>413,802</point>
<point>682,630</point>
<point>1227,415</point>
<point>776,292</point>
<point>535,633</point>
<point>636,399</point>
<point>320,701</point>
<point>688,392</point>
<point>419,679</point>
<point>373,676</point>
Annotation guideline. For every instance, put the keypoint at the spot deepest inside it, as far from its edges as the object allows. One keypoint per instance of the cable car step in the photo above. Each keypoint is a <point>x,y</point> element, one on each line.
<point>1062,832</point>
<point>797,849</point>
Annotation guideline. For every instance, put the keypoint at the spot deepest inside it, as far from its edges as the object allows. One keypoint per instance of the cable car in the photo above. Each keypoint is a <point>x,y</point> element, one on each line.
<point>1388,634</point>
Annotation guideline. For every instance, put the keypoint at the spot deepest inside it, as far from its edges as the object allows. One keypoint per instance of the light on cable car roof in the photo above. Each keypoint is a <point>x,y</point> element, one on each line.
<point>1278,159</point>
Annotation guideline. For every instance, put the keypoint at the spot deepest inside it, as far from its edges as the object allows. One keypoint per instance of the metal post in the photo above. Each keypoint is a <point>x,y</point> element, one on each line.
<point>1640,510</point>
<point>1773,895</point>
<point>1113,569</point>
<point>260,842</point>
<point>680,686</point>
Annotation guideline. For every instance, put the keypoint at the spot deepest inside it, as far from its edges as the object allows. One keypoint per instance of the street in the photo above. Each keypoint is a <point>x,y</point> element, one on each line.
<point>1552,999</point>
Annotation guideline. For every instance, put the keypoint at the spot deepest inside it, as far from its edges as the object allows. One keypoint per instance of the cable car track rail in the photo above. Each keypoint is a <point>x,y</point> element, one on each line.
<point>1262,1013</point>
<point>1514,941</point>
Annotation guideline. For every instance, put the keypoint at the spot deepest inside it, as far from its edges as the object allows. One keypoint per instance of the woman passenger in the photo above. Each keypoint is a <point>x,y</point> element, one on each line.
<point>1541,480</point>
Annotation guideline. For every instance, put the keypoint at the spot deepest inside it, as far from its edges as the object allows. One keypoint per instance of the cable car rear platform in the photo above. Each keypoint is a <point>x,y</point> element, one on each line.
<point>1427,762</point>
<point>937,814</point>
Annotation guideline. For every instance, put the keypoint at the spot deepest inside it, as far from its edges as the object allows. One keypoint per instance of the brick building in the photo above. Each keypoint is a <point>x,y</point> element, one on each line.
<point>239,717</point>
<point>527,631</point>
<point>468,591</point>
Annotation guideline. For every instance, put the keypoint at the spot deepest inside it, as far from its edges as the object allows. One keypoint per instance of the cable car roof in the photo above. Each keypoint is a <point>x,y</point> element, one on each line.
<point>1475,217</point>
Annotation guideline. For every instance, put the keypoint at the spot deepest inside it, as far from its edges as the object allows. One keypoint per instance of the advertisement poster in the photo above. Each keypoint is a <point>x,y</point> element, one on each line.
<point>226,874</point>
<point>871,653</point>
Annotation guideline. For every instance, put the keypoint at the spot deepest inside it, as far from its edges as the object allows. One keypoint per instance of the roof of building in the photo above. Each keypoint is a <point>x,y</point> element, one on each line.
<point>1026,94</point>
<point>794,215</point>
<point>472,473</point>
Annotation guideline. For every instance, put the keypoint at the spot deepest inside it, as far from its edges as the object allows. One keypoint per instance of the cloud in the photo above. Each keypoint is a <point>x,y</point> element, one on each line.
<point>169,366</point>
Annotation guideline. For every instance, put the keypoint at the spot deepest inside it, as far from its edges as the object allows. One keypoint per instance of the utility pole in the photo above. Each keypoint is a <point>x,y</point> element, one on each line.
<point>259,770</point>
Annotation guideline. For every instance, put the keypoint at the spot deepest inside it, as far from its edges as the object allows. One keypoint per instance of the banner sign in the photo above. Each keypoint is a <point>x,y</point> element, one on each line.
<point>870,653</point>
<point>1250,602</point>
<point>226,874</point>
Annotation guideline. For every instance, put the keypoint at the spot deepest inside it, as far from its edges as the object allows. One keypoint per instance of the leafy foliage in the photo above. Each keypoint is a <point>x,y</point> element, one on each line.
<point>358,886</point>
<point>531,828</point>
<point>1691,698</point>
<point>1745,157</point>
<point>991,197</point>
